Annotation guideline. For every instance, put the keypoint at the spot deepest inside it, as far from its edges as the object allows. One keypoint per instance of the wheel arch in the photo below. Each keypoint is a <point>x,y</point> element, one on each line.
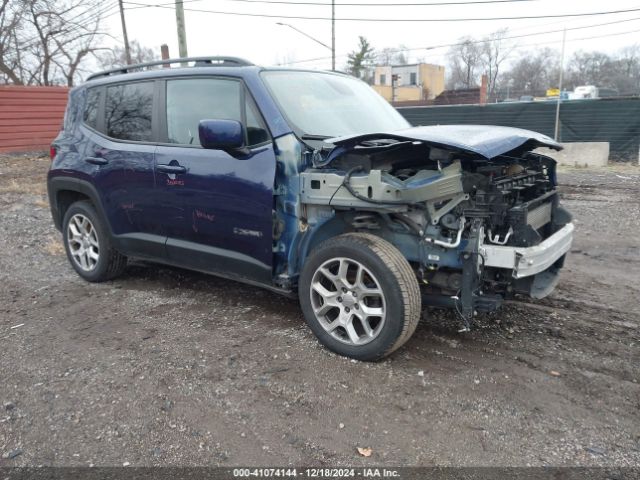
<point>337,224</point>
<point>64,191</point>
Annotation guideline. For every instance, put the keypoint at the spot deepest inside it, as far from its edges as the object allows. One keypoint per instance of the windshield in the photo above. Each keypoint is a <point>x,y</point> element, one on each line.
<point>331,105</point>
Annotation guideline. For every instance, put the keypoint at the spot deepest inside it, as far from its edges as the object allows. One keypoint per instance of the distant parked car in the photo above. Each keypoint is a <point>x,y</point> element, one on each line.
<point>306,183</point>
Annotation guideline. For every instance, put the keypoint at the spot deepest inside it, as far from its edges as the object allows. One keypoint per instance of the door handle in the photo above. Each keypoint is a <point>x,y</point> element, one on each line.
<point>171,168</point>
<point>96,160</point>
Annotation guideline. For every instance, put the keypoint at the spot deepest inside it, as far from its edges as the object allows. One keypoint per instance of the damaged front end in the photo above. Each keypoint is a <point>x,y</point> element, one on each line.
<point>472,208</point>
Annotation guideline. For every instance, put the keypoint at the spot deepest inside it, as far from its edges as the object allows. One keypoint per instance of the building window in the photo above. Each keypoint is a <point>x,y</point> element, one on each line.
<point>128,111</point>
<point>413,78</point>
<point>383,79</point>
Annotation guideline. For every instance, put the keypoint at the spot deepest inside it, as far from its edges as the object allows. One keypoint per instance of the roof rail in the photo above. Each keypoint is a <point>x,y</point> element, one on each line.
<point>198,62</point>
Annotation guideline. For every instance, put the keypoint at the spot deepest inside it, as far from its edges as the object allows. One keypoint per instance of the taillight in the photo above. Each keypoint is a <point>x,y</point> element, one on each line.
<point>52,152</point>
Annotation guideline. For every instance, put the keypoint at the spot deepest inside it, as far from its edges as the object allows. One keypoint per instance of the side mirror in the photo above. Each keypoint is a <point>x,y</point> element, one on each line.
<point>221,134</point>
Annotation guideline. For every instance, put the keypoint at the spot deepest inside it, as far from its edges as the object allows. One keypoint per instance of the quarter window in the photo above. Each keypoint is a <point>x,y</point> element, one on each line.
<point>90,116</point>
<point>256,131</point>
<point>128,111</point>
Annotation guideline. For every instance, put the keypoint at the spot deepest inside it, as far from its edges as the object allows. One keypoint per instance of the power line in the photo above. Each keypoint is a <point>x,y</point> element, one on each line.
<point>456,44</point>
<point>579,39</point>
<point>517,47</point>
<point>345,19</point>
<point>102,13</point>
<point>325,4</point>
<point>538,43</point>
<point>85,16</point>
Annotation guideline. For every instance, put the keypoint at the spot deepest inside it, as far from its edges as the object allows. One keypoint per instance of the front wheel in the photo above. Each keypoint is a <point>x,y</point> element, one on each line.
<point>360,296</point>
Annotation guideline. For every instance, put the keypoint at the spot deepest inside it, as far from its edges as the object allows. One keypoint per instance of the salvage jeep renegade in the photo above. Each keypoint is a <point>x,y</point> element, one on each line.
<point>306,182</point>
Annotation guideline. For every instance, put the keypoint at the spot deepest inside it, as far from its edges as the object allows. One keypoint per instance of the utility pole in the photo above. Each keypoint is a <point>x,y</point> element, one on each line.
<point>333,35</point>
<point>127,51</point>
<point>557,131</point>
<point>182,34</point>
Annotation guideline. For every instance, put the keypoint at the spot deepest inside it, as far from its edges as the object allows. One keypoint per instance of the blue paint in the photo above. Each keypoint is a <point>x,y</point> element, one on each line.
<point>221,134</point>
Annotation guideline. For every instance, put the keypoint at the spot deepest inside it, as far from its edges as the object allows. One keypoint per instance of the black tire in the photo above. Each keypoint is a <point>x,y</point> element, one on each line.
<point>396,280</point>
<point>110,263</point>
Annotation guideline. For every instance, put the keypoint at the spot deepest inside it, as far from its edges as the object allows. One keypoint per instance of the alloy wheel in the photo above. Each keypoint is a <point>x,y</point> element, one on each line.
<point>83,242</point>
<point>348,301</point>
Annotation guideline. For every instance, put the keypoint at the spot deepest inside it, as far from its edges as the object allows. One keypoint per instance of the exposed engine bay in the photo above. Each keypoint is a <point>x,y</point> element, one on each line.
<point>477,225</point>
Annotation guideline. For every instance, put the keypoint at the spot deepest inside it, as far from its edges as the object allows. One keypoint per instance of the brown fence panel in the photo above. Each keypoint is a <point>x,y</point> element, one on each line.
<point>30,117</point>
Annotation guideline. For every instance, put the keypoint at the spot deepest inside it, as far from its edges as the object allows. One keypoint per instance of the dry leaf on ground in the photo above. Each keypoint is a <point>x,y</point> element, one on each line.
<point>365,452</point>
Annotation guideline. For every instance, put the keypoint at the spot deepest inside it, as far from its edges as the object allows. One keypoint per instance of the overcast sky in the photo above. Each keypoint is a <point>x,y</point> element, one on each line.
<point>263,42</point>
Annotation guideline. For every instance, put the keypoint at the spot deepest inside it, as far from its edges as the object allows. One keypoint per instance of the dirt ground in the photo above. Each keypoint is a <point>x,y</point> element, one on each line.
<point>168,367</point>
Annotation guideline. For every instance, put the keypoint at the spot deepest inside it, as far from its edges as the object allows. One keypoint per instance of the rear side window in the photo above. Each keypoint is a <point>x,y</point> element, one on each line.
<point>192,100</point>
<point>90,115</point>
<point>128,111</point>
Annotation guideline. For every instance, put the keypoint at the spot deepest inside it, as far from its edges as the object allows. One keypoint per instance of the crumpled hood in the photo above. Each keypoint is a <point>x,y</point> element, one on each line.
<point>488,141</point>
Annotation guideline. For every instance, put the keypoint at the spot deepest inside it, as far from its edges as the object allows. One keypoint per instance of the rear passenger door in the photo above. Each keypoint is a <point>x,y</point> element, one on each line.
<point>121,130</point>
<point>217,206</point>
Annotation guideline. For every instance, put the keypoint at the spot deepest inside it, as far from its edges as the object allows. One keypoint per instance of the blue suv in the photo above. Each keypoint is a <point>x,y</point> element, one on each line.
<point>307,183</point>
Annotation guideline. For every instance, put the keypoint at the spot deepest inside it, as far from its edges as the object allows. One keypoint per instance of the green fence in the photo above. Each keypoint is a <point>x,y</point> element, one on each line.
<point>613,120</point>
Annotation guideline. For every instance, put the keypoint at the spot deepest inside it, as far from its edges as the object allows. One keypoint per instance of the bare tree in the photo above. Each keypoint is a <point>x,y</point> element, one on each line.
<point>495,50</point>
<point>44,42</point>
<point>464,62</point>
<point>393,56</point>
<point>10,27</point>
<point>533,73</point>
<point>629,59</point>
<point>116,56</point>
<point>626,76</point>
<point>590,68</point>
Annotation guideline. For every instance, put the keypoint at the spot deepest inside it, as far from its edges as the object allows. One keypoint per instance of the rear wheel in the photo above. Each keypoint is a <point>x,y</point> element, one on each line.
<point>360,296</point>
<point>88,245</point>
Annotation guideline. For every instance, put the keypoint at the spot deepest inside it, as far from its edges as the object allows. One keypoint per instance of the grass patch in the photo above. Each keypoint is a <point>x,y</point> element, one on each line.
<point>54,246</point>
<point>24,187</point>
<point>41,203</point>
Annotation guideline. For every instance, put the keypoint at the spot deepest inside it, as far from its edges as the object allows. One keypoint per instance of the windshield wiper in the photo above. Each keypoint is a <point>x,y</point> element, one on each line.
<point>308,136</point>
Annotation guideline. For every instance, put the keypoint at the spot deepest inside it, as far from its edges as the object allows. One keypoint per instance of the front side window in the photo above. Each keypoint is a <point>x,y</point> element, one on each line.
<point>128,111</point>
<point>90,115</point>
<point>192,100</point>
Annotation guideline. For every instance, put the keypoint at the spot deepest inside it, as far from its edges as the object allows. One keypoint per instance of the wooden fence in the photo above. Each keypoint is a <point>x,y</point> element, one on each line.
<point>30,117</point>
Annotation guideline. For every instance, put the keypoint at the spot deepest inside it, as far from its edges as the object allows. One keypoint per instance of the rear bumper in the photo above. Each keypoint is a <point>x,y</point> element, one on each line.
<point>528,261</point>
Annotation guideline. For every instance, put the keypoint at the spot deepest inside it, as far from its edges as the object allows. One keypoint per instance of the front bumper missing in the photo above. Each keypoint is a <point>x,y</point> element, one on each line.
<point>527,261</point>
